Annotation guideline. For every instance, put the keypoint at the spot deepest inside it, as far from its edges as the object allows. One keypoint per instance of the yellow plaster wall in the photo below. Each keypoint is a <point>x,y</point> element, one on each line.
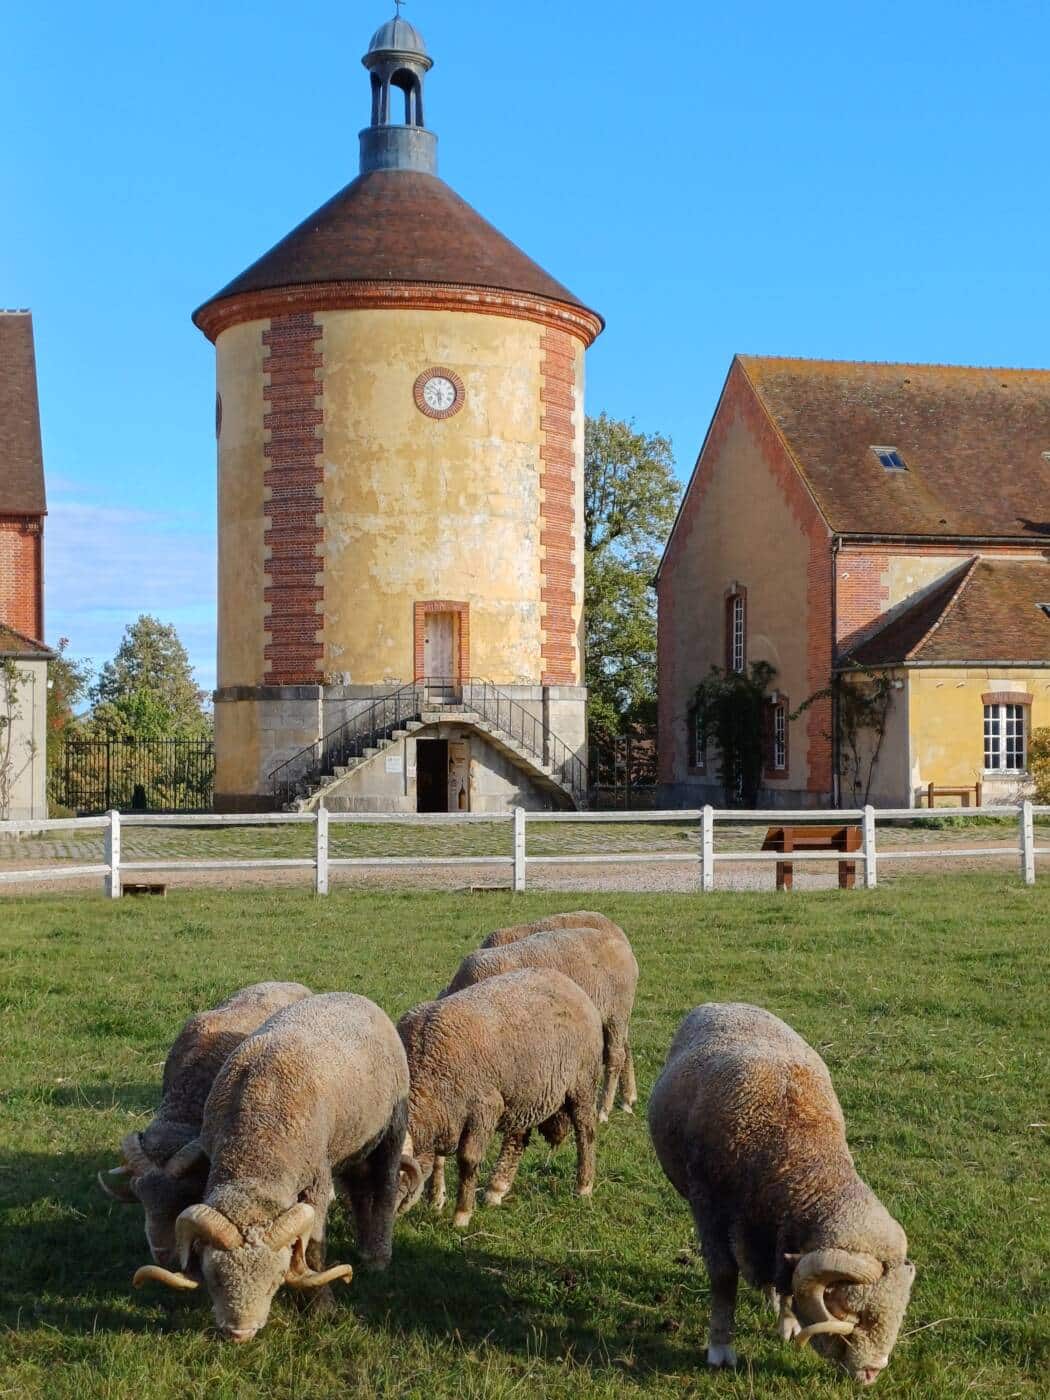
<point>241,524</point>
<point>417,508</point>
<point>732,541</point>
<point>946,722</point>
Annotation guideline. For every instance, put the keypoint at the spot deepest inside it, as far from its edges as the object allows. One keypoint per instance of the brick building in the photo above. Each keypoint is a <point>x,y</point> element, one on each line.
<point>400,446</point>
<point>22,509</point>
<point>884,524</point>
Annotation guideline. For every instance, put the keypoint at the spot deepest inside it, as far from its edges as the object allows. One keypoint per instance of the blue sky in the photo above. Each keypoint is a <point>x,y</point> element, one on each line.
<point>863,182</point>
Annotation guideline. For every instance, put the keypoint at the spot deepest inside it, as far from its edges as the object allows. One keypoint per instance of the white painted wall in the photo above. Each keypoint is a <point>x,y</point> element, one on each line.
<point>27,755</point>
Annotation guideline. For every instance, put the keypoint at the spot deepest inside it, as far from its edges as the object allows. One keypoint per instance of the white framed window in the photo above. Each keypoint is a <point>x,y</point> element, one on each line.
<point>1004,739</point>
<point>739,649</point>
<point>780,737</point>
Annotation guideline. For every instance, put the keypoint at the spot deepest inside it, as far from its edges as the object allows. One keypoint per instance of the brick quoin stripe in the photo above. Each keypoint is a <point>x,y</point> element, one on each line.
<point>558,567</point>
<point>294,479</point>
<point>21,587</point>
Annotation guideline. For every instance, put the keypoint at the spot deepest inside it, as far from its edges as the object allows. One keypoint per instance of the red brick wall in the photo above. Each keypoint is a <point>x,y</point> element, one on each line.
<point>21,585</point>
<point>294,480</point>
<point>559,576</point>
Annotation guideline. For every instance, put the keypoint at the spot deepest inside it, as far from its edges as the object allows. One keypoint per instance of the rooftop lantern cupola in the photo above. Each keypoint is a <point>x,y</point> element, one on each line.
<point>397,139</point>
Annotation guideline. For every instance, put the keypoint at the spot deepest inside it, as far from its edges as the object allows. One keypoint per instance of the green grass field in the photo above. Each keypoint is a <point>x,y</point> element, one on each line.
<point>928,999</point>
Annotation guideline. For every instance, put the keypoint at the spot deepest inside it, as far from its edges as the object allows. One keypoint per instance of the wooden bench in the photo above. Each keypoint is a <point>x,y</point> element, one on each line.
<point>933,792</point>
<point>814,838</point>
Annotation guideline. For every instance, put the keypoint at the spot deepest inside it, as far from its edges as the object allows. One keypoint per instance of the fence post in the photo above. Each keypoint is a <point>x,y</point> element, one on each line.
<point>519,849</point>
<point>1027,843</point>
<point>868,847</point>
<point>113,856</point>
<point>707,850</point>
<point>321,852</point>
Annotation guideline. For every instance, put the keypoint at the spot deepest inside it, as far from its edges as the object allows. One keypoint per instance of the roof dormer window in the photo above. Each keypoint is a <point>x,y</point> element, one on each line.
<point>890,458</point>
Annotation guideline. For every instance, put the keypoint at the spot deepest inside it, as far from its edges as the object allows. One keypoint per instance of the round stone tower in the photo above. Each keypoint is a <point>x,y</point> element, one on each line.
<point>400,426</point>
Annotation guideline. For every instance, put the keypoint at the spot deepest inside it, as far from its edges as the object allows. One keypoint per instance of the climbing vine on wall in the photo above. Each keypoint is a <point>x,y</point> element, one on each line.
<point>861,704</point>
<point>10,711</point>
<point>731,708</point>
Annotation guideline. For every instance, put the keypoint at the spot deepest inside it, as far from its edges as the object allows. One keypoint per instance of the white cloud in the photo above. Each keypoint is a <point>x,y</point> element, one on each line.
<point>107,564</point>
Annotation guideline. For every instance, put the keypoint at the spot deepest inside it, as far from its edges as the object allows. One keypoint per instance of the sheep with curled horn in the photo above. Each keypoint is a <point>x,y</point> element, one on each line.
<point>748,1129</point>
<point>315,1101</point>
<point>163,1167</point>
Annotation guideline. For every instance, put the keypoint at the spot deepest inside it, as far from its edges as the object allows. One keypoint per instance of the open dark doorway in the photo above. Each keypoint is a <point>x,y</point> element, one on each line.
<point>431,775</point>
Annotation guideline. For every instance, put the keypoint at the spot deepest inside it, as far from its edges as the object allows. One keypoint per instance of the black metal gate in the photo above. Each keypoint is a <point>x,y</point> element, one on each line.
<point>129,775</point>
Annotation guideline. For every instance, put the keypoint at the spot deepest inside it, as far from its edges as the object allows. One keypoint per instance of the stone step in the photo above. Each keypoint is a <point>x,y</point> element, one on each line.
<point>414,725</point>
<point>370,752</point>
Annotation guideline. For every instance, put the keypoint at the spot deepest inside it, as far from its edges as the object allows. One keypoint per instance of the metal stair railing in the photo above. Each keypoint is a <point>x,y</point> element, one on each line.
<point>514,721</point>
<point>299,775</point>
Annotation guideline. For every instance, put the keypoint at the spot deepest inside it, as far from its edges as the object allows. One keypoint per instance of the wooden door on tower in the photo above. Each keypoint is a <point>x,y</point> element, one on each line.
<point>441,654</point>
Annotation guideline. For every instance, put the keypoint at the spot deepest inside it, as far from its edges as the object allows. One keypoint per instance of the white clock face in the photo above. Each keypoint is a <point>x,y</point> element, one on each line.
<point>439,393</point>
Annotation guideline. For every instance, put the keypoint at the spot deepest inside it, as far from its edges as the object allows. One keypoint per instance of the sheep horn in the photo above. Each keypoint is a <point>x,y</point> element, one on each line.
<point>294,1224</point>
<point>135,1155</point>
<point>204,1223</point>
<point>820,1269</point>
<point>187,1157</point>
<point>150,1273</point>
<point>117,1187</point>
<point>411,1168</point>
<point>312,1280</point>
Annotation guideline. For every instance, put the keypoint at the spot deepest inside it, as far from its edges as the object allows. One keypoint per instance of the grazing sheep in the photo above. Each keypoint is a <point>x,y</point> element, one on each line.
<point>600,961</point>
<point>506,1056</point>
<point>578,918</point>
<point>748,1129</point>
<point>157,1169</point>
<point>316,1098</point>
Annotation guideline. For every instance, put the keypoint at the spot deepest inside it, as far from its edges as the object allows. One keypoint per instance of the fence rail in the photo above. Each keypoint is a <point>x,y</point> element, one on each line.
<point>704,856</point>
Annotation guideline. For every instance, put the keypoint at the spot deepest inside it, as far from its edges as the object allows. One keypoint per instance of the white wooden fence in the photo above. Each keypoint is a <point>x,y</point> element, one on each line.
<point>114,869</point>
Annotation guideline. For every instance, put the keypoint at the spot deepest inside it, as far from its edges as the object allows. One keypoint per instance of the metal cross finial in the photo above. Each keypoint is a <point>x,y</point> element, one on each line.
<point>398,4</point>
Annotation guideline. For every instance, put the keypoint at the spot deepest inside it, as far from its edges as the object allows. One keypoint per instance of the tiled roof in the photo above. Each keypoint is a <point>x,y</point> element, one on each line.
<point>21,458</point>
<point>990,610</point>
<point>17,644</point>
<point>972,440</point>
<point>396,226</point>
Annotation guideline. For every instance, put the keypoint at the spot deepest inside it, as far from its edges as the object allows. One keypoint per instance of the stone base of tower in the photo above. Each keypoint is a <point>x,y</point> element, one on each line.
<point>265,735</point>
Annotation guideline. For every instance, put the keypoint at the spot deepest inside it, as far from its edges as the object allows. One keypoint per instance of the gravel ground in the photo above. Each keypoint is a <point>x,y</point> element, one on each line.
<point>663,878</point>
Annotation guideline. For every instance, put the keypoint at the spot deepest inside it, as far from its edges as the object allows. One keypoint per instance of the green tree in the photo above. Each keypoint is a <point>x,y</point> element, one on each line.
<point>1039,764</point>
<point>148,691</point>
<point>68,679</point>
<point>630,499</point>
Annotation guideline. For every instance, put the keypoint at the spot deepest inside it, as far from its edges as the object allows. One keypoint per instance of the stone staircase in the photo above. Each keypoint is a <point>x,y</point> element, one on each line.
<point>494,719</point>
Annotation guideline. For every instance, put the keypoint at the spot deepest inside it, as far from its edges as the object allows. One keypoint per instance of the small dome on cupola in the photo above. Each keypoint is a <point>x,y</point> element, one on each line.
<point>397,36</point>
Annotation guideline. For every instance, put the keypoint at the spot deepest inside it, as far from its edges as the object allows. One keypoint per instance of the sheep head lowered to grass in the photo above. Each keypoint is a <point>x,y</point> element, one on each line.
<point>314,1101</point>
<point>243,1270</point>
<point>164,1166</point>
<point>748,1129</point>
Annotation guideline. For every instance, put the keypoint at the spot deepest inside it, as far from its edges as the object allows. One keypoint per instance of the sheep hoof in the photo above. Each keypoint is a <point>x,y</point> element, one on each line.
<point>587,1190</point>
<point>461,1219</point>
<point>493,1197</point>
<point>603,1117</point>
<point>627,1107</point>
<point>718,1357</point>
<point>788,1328</point>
